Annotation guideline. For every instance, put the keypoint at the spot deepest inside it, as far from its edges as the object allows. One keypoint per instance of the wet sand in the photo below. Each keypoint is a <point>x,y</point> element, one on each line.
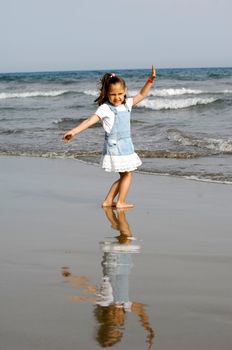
<point>52,223</point>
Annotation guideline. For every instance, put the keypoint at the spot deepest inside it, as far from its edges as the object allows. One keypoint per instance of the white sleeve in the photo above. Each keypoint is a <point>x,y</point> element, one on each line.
<point>129,102</point>
<point>102,111</point>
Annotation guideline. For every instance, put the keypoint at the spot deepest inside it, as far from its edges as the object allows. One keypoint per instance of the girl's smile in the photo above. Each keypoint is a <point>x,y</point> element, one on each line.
<point>116,94</point>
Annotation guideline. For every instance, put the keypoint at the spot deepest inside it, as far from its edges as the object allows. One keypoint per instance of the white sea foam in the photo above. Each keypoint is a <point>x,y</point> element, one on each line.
<point>220,145</point>
<point>200,179</point>
<point>227,91</point>
<point>90,92</point>
<point>160,104</point>
<point>175,92</point>
<point>170,92</point>
<point>184,91</point>
<point>52,93</point>
<point>216,145</point>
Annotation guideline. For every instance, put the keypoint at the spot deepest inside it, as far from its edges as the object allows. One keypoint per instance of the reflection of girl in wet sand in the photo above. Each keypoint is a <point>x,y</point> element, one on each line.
<point>112,301</point>
<point>111,323</point>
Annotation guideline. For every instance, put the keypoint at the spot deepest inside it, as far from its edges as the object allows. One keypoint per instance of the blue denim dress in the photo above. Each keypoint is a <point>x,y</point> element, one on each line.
<point>118,150</point>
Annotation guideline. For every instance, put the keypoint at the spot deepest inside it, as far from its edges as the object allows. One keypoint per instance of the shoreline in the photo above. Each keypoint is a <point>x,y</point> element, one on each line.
<point>138,171</point>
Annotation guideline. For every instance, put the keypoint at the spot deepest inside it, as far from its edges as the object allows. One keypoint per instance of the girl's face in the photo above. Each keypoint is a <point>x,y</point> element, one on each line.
<point>116,94</point>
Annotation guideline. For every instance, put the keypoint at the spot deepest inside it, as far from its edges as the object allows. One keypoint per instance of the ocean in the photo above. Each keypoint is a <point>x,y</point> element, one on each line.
<point>183,128</point>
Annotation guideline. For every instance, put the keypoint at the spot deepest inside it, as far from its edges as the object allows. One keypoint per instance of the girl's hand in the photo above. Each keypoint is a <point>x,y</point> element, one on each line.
<point>145,90</point>
<point>68,136</point>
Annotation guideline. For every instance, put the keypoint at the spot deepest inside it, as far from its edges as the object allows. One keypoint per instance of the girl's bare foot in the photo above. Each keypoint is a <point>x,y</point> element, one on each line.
<point>108,204</point>
<point>124,205</point>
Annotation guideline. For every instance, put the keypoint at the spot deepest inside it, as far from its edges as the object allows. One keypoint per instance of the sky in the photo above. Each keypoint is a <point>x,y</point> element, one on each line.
<point>48,35</point>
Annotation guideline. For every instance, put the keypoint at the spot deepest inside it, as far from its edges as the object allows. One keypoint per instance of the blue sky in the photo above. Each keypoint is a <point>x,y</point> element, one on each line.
<point>40,35</point>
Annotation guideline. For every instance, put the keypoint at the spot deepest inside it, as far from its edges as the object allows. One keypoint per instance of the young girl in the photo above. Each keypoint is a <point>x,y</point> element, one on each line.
<point>118,152</point>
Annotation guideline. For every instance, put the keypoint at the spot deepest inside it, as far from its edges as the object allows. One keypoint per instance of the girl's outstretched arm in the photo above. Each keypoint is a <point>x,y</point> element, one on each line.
<point>68,136</point>
<point>144,91</point>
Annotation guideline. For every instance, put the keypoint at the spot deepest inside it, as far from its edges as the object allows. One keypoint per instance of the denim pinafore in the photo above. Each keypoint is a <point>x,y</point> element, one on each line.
<point>118,141</point>
<point>118,151</point>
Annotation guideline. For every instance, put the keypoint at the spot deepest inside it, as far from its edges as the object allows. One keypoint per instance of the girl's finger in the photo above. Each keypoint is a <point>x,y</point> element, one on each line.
<point>153,71</point>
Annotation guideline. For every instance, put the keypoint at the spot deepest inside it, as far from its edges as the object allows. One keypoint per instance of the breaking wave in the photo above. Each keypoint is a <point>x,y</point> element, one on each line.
<point>215,145</point>
<point>91,92</point>
<point>171,92</point>
<point>162,104</point>
<point>53,93</point>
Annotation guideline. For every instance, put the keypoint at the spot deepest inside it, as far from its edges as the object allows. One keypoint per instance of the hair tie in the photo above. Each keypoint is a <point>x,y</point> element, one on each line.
<point>112,75</point>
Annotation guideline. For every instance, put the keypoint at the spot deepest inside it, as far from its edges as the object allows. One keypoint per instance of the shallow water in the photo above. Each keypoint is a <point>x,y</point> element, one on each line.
<point>187,116</point>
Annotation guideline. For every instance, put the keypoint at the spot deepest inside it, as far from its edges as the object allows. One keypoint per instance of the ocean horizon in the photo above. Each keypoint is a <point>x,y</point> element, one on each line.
<point>72,70</point>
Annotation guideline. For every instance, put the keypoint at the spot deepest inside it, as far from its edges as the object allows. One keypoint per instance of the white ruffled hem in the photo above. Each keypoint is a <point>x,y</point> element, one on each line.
<point>121,164</point>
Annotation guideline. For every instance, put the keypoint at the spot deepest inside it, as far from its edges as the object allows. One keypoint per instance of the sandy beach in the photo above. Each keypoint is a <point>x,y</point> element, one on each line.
<point>52,224</point>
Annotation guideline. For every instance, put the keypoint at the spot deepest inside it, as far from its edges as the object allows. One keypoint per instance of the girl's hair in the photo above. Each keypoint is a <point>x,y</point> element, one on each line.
<point>104,86</point>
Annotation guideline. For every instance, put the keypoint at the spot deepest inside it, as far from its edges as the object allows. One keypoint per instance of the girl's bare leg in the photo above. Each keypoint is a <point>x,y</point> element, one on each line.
<point>124,186</point>
<point>109,200</point>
